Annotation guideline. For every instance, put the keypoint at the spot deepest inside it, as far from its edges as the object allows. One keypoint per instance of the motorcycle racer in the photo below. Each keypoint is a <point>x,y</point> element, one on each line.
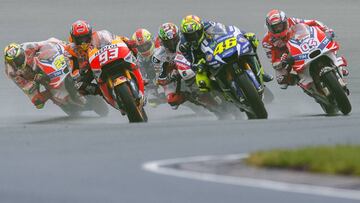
<point>274,43</point>
<point>20,67</point>
<point>145,45</point>
<point>195,31</point>
<point>82,38</point>
<point>164,63</point>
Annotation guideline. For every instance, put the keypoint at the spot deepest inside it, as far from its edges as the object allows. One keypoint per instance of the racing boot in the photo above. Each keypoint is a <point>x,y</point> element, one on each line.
<point>267,77</point>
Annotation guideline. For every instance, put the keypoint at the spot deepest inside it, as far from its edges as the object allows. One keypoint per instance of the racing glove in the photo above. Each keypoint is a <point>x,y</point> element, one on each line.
<point>252,38</point>
<point>39,99</point>
<point>287,61</point>
<point>330,34</point>
<point>169,78</point>
<point>42,79</point>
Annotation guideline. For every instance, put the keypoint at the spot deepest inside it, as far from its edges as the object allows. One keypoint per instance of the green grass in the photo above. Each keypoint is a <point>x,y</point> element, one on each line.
<point>340,159</point>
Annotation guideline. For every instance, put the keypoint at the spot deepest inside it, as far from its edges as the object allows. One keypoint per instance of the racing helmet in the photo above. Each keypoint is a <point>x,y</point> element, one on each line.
<point>15,54</point>
<point>81,33</point>
<point>277,23</point>
<point>169,36</point>
<point>193,30</point>
<point>144,42</point>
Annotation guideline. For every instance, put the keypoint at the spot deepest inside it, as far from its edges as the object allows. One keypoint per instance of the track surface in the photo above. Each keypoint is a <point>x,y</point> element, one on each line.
<point>47,157</point>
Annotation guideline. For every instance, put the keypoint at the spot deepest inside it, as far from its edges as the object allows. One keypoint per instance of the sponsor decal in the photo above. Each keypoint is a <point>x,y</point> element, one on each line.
<point>55,74</point>
<point>155,60</point>
<point>105,48</point>
<point>301,57</point>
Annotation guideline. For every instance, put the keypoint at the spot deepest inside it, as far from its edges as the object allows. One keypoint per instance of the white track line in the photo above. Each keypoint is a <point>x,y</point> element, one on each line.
<point>160,167</point>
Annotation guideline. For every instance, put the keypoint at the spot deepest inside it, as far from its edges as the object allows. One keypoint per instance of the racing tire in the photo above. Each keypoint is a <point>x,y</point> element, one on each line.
<point>134,114</point>
<point>329,109</point>
<point>337,92</point>
<point>144,115</point>
<point>252,96</point>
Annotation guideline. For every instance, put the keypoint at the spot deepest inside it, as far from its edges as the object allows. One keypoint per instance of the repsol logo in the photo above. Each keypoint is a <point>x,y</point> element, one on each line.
<point>105,48</point>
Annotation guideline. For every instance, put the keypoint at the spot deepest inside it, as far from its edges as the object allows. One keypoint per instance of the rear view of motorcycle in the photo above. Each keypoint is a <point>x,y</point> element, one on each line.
<point>318,68</point>
<point>111,65</point>
<point>53,62</point>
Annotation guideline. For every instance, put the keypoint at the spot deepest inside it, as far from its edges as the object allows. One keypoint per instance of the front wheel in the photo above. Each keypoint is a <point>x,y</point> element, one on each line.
<point>337,92</point>
<point>134,113</point>
<point>252,97</point>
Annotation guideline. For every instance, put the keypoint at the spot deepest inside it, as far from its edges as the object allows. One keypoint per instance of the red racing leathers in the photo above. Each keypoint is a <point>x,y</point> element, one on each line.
<point>81,67</point>
<point>276,49</point>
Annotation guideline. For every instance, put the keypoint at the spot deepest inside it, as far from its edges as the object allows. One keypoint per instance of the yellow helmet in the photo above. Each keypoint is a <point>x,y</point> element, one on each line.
<point>193,29</point>
<point>14,53</point>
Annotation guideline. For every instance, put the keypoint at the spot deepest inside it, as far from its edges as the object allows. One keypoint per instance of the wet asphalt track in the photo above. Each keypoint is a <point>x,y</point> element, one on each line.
<point>47,157</point>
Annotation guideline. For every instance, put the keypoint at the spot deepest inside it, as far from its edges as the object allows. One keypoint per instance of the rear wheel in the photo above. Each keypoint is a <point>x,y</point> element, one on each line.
<point>134,113</point>
<point>253,98</point>
<point>337,92</point>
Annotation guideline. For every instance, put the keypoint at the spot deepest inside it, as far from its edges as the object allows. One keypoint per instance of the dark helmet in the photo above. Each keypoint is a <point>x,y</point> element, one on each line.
<point>81,33</point>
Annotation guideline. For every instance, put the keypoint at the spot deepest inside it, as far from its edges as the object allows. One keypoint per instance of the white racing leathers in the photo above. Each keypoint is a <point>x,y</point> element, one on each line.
<point>168,66</point>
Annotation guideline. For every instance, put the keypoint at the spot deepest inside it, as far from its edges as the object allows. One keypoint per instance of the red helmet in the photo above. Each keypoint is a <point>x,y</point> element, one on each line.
<point>81,32</point>
<point>277,23</point>
<point>144,42</point>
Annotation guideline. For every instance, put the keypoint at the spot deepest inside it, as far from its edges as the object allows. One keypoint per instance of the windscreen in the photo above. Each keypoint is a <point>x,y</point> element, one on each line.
<point>47,52</point>
<point>299,32</point>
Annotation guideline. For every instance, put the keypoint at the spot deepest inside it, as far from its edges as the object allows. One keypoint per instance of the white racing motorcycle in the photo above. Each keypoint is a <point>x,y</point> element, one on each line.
<point>318,69</point>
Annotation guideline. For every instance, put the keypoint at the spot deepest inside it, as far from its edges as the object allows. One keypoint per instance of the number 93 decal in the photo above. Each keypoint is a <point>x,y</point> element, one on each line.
<point>225,45</point>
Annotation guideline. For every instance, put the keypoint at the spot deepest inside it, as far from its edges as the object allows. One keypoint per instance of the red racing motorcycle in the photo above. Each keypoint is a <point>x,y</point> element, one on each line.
<point>318,69</point>
<point>111,65</point>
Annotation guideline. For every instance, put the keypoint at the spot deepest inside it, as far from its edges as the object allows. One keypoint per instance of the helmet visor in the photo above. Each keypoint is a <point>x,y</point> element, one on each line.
<point>144,47</point>
<point>279,27</point>
<point>20,60</point>
<point>82,39</point>
<point>193,37</point>
<point>171,44</point>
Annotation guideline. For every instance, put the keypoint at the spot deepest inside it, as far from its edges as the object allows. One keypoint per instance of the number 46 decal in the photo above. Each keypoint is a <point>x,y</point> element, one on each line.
<point>108,55</point>
<point>225,45</point>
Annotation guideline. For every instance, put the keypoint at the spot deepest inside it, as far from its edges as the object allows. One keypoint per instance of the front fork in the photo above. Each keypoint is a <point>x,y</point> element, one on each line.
<point>250,73</point>
<point>339,77</point>
<point>127,77</point>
